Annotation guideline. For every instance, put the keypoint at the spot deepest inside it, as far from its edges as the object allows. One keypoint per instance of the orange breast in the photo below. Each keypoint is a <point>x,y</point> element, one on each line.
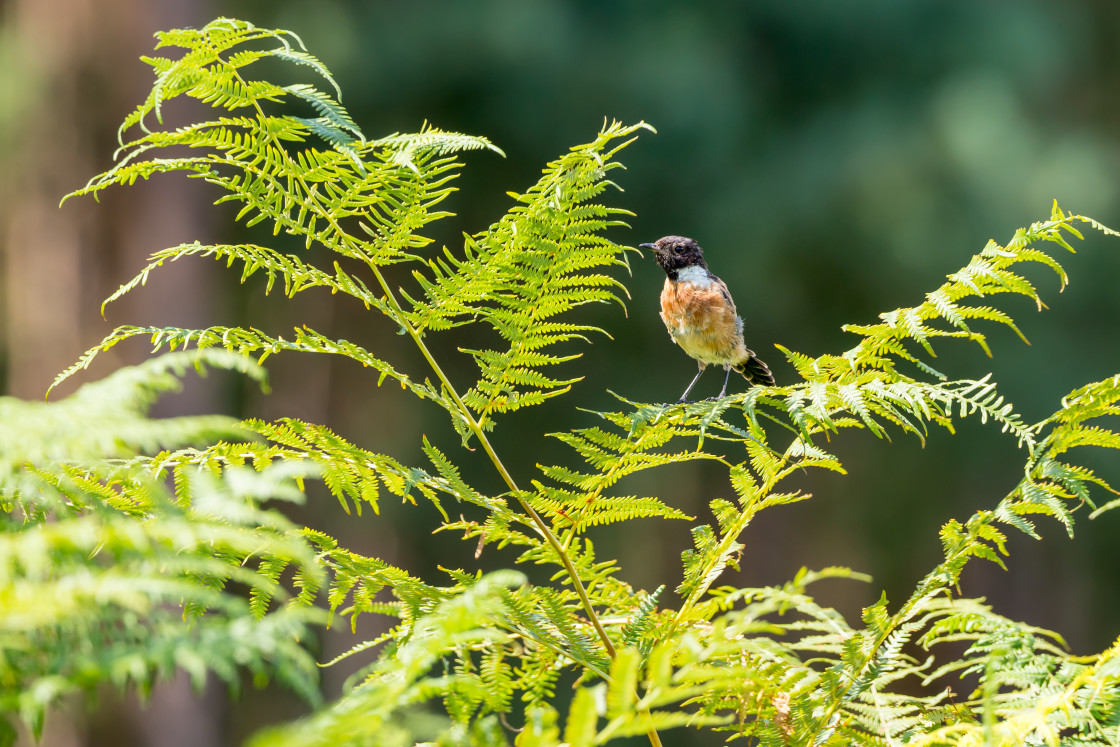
<point>702,321</point>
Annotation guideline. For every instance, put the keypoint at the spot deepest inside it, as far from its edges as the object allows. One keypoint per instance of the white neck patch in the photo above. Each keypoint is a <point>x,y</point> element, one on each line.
<point>696,275</point>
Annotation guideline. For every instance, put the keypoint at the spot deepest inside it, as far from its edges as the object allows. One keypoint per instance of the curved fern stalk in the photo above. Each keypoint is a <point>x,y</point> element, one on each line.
<point>531,273</point>
<point>473,427</point>
<point>1047,486</point>
<point>568,167</point>
<point>715,550</point>
<point>562,556</point>
<point>368,200</point>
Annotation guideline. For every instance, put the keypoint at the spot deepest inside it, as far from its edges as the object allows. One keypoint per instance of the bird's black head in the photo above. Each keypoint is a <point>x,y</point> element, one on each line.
<point>674,253</point>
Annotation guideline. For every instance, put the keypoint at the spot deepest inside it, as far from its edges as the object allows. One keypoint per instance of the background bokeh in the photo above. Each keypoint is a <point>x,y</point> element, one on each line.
<point>835,160</point>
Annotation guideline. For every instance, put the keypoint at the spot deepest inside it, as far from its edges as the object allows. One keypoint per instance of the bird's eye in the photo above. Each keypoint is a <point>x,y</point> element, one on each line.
<point>678,248</point>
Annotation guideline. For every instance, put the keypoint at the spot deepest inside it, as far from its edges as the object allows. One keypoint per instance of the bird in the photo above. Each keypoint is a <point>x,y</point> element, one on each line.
<point>700,315</point>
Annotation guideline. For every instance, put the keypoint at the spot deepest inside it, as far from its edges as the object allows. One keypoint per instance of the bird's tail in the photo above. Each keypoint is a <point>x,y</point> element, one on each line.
<point>755,371</point>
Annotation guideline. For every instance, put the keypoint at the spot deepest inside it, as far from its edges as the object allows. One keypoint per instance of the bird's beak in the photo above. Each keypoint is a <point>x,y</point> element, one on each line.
<point>652,247</point>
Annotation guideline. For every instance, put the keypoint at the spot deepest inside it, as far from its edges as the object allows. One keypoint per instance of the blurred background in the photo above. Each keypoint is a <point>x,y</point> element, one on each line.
<point>835,160</point>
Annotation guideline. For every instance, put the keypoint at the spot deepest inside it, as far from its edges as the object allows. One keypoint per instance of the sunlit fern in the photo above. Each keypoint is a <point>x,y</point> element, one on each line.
<point>102,566</point>
<point>766,664</point>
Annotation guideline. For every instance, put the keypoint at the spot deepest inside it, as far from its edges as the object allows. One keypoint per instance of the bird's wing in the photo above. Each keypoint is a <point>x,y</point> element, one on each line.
<point>722,286</point>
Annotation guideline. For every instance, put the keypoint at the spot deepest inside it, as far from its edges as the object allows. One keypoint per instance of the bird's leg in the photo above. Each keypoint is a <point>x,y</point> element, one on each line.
<point>686,391</point>
<point>726,376</point>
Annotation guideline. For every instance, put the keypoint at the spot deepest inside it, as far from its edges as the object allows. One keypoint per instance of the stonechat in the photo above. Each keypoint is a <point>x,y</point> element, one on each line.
<point>698,311</point>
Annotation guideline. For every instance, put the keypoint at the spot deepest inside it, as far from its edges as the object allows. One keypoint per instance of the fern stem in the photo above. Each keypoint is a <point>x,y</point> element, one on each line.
<point>729,538</point>
<point>476,429</point>
<point>542,527</point>
<point>939,579</point>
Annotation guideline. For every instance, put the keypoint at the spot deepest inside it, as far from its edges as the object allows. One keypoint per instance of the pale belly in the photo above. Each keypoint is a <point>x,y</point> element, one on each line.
<point>707,344</point>
<point>703,323</point>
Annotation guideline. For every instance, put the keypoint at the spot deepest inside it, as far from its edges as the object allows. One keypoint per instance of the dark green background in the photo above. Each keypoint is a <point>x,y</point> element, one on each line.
<point>835,160</point>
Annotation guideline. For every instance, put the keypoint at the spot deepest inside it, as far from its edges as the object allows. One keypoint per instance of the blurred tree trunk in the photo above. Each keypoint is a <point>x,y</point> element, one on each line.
<point>72,76</point>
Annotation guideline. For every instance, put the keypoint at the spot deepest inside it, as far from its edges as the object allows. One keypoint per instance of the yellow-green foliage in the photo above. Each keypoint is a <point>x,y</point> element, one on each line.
<point>490,651</point>
<point>108,576</point>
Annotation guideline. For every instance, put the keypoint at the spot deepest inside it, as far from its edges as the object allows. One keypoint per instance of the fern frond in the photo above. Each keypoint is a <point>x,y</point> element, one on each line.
<point>243,342</point>
<point>612,456</point>
<point>433,140</point>
<point>296,275</point>
<point>982,397</point>
<point>372,711</point>
<point>205,48</point>
<point>105,418</point>
<point>350,472</point>
<point>357,581</point>
<point>331,113</point>
<point>537,263</point>
<point>124,562</point>
<point>990,272</point>
<point>636,632</point>
<point>391,186</point>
